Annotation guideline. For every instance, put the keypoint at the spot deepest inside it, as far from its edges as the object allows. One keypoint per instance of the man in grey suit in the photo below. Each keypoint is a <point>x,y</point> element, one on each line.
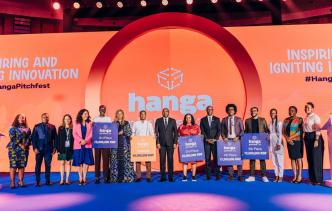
<point>231,130</point>
<point>167,139</point>
<point>256,124</point>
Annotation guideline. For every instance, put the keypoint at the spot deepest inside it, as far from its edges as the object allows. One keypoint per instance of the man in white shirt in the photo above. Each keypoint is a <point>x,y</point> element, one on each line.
<point>103,153</point>
<point>143,127</point>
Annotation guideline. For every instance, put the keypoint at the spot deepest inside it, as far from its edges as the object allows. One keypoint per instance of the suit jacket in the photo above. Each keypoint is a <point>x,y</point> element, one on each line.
<point>239,129</point>
<point>262,125</point>
<point>166,136</point>
<point>212,132</point>
<point>77,133</point>
<point>44,137</point>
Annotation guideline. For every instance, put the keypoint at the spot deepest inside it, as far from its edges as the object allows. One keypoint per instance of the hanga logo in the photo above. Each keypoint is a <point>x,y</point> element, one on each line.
<point>170,78</point>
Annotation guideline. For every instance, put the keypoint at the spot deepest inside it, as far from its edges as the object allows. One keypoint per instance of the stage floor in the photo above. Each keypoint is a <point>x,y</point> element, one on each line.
<point>200,195</point>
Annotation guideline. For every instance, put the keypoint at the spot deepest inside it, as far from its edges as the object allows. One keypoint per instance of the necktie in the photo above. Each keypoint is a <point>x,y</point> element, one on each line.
<point>166,122</point>
<point>45,129</point>
<point>230,126</point>
<point>210,120</point>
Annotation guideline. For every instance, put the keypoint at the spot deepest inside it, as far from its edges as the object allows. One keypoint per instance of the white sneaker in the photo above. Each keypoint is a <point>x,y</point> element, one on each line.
<point>265,179</point>
<point>250,179</point>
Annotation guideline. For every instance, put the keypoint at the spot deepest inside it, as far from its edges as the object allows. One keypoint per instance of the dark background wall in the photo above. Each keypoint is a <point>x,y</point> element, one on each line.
<point>39,16</point>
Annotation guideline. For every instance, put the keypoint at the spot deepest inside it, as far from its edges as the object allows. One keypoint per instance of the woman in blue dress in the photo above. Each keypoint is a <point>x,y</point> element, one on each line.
<point>122,169</point>
<point>18,149</point>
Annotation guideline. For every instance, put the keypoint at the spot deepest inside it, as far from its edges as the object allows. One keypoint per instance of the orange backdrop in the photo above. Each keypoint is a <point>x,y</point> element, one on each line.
<point>131,82</point>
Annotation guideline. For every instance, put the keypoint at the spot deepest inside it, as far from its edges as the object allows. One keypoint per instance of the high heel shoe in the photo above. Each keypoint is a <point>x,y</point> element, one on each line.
<point>298,180</point>
<point>12,185</point>
<point>62,183</point>
<point>80,182</point>
<point>21,184</point>
<point>294,180</point>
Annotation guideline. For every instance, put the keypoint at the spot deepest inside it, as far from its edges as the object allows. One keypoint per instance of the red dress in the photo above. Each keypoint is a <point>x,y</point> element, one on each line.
<point>188,130</point>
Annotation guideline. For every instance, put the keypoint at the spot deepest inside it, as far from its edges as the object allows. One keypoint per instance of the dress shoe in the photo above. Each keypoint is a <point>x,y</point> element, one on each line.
<point>230,178</point>
<point>149,179</point>
<point>162,180</point>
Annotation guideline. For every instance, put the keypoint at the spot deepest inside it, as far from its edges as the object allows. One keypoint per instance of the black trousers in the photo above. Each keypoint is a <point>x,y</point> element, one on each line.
<point>166,151</point>
<point>211,149</point>
<point>47,157</point>
<point>315,157</point>
<point>262,164</point>
<point>102,154</point>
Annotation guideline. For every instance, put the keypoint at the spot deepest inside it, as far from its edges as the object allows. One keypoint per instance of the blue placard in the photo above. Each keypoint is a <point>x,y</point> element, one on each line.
<point>255,146</point>
<point>229,153</point>
<point>105,135</point>
<point>191,148</point>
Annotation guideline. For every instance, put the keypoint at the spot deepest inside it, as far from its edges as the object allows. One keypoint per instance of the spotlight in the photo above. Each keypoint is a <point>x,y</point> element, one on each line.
<point>238,1</point>
<point>119,4</point>
<point>214,1</point>
<point>56,5</point>
<point>99,4</point>
<point>143,3</point>
<point>190,2</point>
<point>76,5</point>
<point>164,2</point>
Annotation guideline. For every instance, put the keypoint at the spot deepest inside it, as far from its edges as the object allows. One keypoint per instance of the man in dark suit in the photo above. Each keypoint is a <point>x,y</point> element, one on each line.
<point>211,130</point>
<point>231,130</point>
<point>167,139</point>
<point>256,124</point>
<point>43,141</point>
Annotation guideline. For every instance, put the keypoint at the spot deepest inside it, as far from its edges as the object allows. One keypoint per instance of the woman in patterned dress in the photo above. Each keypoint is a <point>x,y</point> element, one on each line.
<point>122,169</point>
<point>293,131</point>
<point>18,149</point>
<point>189,128</point>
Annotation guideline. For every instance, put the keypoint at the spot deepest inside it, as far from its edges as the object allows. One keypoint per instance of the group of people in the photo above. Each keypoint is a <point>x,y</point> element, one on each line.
<point>72,142</point>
